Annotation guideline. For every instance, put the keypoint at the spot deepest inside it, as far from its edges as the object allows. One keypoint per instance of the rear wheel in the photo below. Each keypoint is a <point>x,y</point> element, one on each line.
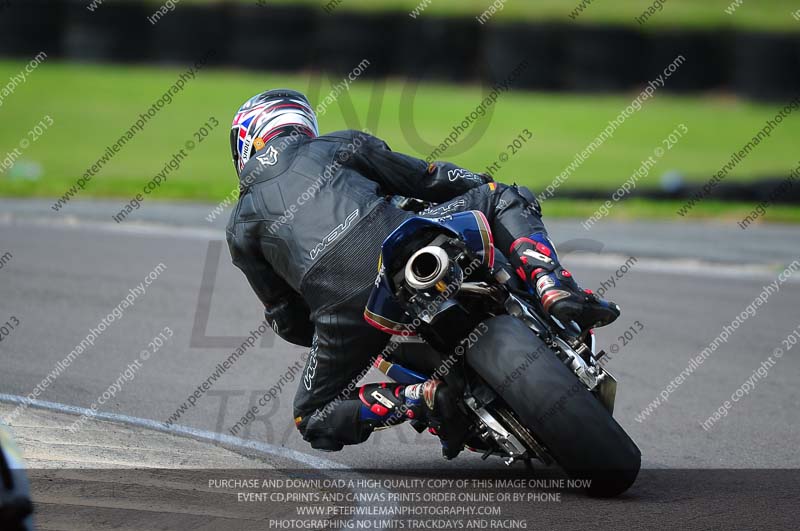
<point>549,400</point>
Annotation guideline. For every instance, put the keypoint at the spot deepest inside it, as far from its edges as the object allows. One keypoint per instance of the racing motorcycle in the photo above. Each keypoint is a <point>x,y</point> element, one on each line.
<point>531,386</point>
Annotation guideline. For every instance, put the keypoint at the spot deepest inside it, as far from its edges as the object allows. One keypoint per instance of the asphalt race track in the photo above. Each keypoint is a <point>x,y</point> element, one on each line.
<point>69,271</point>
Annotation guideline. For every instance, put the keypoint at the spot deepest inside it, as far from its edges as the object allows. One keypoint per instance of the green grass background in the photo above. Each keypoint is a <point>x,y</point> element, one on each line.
<point>752,14</point>
<point>92,105</point>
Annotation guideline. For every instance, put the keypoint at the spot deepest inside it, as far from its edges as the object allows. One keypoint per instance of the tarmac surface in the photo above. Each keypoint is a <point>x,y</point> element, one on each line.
<point>69,270</point>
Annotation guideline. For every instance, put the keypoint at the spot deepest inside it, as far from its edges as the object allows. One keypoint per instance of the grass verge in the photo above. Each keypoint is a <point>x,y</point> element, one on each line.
<point>750,14</point>
<point>92,105</point>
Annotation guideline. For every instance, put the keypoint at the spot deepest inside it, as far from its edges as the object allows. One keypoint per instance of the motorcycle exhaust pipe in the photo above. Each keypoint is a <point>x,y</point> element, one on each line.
<point>427,267</point>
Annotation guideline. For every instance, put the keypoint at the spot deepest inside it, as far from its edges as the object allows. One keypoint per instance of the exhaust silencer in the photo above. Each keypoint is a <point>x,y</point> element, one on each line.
<point>427,267</point>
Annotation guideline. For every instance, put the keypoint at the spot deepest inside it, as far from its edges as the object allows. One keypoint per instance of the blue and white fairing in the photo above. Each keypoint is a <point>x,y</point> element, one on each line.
<point>383,310</point>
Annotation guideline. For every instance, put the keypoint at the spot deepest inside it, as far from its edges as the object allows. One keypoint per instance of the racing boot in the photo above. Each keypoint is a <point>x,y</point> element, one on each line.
<point>536,263</point>
<point>426,404</point>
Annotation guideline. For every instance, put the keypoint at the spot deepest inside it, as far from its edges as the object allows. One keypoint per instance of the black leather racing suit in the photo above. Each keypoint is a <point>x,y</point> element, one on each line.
<point>307,231</point>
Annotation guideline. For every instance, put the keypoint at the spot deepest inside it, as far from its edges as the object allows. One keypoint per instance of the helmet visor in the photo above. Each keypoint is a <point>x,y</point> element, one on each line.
<point>234,148</point>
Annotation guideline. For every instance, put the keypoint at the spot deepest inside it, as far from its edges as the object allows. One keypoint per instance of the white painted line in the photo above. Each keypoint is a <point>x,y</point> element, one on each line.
<point>680,266</point>
<point>132,228</point>
<point>667,265</point>
<point>318,463</point>
<point>184,431</point>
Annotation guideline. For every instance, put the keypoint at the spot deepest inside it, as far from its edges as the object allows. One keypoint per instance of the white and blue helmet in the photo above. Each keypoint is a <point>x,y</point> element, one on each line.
<point>267,115</point>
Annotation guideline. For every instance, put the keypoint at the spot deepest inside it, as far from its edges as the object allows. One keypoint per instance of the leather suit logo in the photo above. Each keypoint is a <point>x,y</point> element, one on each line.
<point>444,209</point>
<point>269,158</point>
<point>334,234</point>
<point>311,367</point>
<point>460,173</point>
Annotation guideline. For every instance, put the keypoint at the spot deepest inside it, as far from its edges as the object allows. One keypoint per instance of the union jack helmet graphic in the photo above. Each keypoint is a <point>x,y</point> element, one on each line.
<point>265,116</point>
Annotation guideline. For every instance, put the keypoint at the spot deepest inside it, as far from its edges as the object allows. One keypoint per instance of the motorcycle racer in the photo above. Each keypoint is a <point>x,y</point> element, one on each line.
<point>307,231</point>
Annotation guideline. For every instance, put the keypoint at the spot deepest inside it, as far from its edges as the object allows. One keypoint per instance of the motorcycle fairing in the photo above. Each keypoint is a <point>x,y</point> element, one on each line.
<point>383,311</point>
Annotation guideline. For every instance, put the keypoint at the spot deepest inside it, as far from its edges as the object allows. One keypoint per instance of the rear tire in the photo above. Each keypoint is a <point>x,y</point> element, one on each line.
<point>577,431</point>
